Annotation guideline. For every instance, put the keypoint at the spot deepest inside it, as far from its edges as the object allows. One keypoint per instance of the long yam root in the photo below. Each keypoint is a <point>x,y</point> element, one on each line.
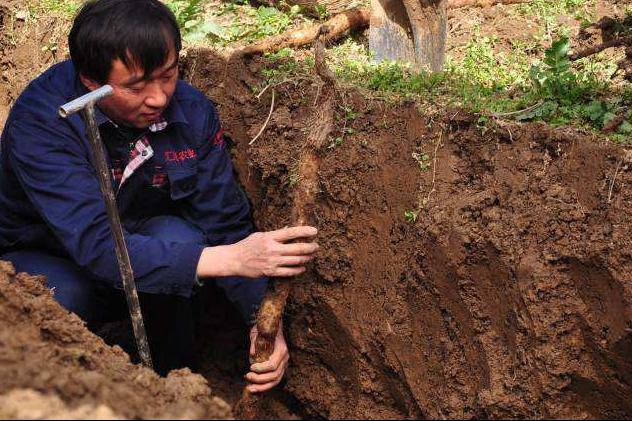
<point>273,305</point>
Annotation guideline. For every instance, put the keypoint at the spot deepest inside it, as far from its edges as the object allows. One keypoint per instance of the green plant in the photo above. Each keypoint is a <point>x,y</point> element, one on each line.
<point>600,113</point>
<point>554,79</point>
<point>338,141</point>
<point>66,8</point>
<point>549,10</point>
<point>348,115</point>
<point>485,80</point>
<point>194,28</point>
<point>626,96</point>
<point>185,11</point>
<point>411,216</point>
<point>292,179</point>
<point>282,65</point>
<point>423,159</point>
<point>564,94</point>
<point>265,21</point>
<point>322,11</point>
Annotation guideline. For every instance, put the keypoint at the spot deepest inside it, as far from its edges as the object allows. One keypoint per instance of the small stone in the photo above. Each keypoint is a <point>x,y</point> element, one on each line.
<point>22,15</point>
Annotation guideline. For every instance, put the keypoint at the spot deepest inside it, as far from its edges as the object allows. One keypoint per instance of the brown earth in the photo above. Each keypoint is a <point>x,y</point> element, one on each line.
<point>48,350</point>
<point>28,46</point>
<point>509,297</point>
<point>512,30</point>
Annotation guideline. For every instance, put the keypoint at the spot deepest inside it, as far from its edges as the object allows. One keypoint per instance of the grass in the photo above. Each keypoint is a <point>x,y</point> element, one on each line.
<point>535,76</point>
<point>485,75</point>
<point>225,23</point>
<point>63,8</point>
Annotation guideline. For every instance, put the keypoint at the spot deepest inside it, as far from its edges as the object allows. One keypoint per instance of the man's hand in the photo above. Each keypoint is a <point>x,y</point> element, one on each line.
<point>267,254</point>
<point>261,254</point>
<point>265,376</point>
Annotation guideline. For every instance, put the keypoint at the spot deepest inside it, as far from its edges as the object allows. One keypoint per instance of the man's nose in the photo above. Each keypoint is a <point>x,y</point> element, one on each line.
<point>156,97</point>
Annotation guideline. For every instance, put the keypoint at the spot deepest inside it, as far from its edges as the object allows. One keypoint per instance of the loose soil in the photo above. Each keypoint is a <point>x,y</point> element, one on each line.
<point>510,295</point>
<point>69,372</point>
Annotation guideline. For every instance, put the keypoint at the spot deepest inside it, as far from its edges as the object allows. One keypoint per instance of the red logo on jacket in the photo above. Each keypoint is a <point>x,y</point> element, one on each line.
<point>218,139</point>
<point>180,156</point>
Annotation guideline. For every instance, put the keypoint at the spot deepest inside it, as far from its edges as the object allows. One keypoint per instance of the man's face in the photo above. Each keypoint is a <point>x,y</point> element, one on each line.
<point>138,101</point>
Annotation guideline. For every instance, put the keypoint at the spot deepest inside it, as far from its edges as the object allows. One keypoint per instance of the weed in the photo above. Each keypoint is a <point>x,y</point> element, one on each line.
<point>548,12</point>
<point>292,179</point>
<point>250,24</point>
<point>554,78</point>
<point>187,12</point>
<point>626,96</point>
<point>411,216</point>
<point>283,65</point>
<point>348,115</point>
<point>565,94</point>
<point>65,8</point>
<point>322,11</point>
<point>189,15</point>
<point>336,142</point>
<point>270,21</point>
<point>423,159</point>
<point>485,80</point>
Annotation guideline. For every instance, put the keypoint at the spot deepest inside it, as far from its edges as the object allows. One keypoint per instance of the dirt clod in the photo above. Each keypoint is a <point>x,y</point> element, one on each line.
<point>49,351</point>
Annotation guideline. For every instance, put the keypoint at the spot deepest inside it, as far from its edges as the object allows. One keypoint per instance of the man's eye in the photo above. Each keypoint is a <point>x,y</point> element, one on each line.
<point>136,88</point>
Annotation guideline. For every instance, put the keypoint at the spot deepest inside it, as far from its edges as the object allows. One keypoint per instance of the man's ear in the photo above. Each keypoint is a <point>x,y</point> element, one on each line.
<point>89,83</point>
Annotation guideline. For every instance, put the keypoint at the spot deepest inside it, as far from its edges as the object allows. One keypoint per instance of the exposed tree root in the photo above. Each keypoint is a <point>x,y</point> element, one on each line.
<point>304,199</point>
<point>616,32</point>
<point>613,43</point>
<point>340,25</point>
<point>616,122</point>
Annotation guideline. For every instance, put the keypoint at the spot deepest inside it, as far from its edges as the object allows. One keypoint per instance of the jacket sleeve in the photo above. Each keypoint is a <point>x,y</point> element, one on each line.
<point>55,171</point>
<point>220,208</point>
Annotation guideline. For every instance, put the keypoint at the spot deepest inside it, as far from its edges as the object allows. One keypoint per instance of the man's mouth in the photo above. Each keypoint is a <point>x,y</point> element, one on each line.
<point>151,116</point>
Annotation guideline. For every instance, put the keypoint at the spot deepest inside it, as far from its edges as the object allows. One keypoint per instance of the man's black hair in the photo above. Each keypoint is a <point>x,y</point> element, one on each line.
<point>138,32</point>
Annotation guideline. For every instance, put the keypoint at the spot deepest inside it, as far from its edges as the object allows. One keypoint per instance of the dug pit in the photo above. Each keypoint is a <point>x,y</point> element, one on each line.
<point>469,268</point>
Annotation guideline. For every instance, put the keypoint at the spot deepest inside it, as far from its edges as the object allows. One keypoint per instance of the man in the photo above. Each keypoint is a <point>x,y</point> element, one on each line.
<point>185,218</point>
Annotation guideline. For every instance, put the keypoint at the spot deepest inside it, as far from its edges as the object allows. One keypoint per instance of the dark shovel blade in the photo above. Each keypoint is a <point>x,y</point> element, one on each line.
<point>413,31</point>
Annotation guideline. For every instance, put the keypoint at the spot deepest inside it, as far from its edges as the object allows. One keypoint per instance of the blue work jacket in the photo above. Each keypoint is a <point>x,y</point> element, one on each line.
<point>50,197</point>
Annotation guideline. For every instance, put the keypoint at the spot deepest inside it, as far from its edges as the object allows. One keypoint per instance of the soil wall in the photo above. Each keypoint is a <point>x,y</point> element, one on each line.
<point>509,296</point>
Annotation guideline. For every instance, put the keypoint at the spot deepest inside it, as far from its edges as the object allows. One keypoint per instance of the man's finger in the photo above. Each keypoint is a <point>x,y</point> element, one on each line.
<point>266,377</point>
<point>252,347</point>
<point>283,272</point>
<point>253,388</point>
<point>294,260</point>
<point>266,367</point>
<point>259,388</point>
<point>299,249</point>
<point>277,360</point>
<point>292,233</point>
